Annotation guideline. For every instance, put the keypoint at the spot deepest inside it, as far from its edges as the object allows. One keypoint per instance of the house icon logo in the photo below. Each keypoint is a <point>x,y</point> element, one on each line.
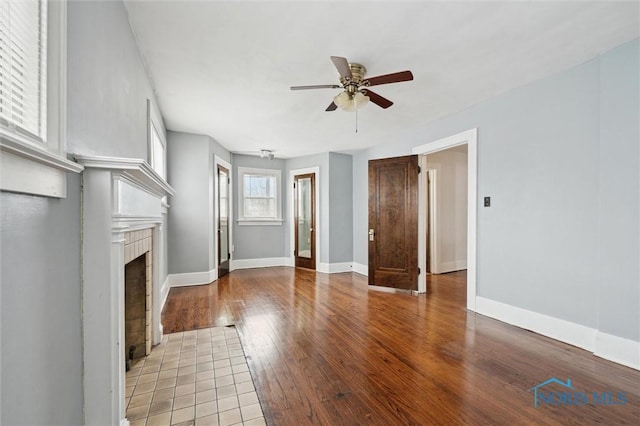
<point>563,393</point>
<point>545,383</point>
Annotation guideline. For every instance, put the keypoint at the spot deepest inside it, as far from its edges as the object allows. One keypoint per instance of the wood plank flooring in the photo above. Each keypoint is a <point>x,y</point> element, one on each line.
<point>326,350</point>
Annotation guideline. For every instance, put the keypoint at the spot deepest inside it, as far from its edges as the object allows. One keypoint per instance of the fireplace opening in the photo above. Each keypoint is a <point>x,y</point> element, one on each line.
<point>136,308</point>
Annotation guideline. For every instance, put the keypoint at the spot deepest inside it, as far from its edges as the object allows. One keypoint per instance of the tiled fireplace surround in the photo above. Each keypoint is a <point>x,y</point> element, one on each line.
<point>138,318</point>
<point>122,218</point>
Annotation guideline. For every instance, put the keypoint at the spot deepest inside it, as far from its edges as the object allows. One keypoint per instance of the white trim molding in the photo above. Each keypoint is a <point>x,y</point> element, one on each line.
<point>135,170</point>
<point>454,265</point>
<point>565,331</point>
<point>318,225</point>
<point>360,268</point>
<point>259,263</point>
<point>334,268</point>
<point>275,173</point>
<point>268,222</point>
<point>191,278</point>
<point>164,292</point>
<point>617,349</point>
<point>470,138</point>
<point>40,168</point>
<point>218,161</point>
<point>118,195</point>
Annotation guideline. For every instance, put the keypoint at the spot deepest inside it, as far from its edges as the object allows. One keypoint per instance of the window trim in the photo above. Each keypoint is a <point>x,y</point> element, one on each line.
<point>154,121</point>
<point>33,167</point>
<point>243,221</point>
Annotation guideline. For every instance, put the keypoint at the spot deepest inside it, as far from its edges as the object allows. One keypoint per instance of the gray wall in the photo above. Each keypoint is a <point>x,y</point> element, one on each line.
<point>40,309</point>
<point>340,208</point>
<point>107,115</point>
<point>189,223</point>
<point>107,82</point>
<point>256,242</point>
<point>618,193</point>
<point>191,169</point>
<point>551,158</point>
<point>334,212</point>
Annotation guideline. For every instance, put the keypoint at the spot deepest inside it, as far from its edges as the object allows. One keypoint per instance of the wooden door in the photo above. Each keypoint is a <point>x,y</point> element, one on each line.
<point>393,222</point>
<point>223,221</point>
<point>304,190</point>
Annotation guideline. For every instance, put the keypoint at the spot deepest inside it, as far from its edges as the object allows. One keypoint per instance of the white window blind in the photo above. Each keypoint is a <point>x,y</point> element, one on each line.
<point>23,33</point>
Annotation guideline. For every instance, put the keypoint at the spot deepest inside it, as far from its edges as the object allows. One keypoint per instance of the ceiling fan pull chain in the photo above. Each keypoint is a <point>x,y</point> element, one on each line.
<point>356,108</point>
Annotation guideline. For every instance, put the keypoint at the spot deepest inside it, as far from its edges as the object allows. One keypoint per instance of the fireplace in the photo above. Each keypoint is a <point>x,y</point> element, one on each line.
<point>138,293</point>
<point>123,217</point>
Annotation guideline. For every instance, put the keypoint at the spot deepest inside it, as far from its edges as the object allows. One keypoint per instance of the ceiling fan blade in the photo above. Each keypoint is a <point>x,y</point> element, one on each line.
<point>342,65</point>
<point>396,77</point>
<point>332,107</point>
<point>317,86</point>
<point>377,99</point>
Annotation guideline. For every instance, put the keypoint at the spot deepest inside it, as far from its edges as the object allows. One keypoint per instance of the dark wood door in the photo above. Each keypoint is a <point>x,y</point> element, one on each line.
<point>304,190</point>
<point>223,221</point>
<point>393,222</point>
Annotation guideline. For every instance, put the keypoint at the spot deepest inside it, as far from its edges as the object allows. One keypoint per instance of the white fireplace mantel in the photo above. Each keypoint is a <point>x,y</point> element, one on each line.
<point>118,195</point>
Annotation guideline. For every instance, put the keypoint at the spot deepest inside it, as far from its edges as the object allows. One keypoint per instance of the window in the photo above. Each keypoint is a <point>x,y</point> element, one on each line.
<point>157,156</point>
<point>260,200</point>
<point>157,152</point>
<point>23,70</point>
<point>33,98</point>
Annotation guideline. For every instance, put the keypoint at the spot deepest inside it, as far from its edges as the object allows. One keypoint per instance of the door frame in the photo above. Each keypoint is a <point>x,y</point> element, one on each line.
<point>432,209</point>
<point>216,216</point>
<point>292,236</point>
<point>299,260</point>
<point>470,138</point>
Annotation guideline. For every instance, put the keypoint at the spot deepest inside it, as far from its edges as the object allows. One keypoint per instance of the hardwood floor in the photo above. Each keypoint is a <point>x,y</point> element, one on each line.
<point>324,349</point>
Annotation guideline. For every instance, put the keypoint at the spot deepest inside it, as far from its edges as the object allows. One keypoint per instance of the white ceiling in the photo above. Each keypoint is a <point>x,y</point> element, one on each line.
<point>223,68</point>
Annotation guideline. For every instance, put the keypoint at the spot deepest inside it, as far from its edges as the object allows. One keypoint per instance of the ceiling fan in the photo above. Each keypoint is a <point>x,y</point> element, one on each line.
<point>356,91</point>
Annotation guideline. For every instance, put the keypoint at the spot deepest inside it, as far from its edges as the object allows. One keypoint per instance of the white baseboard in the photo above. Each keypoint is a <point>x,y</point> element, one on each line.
<point>565,331</point>
<point>192,278</point>
<point>259,263</point>
<point>334,268</point>
<point>360,269</point>
<point>618,349</point>
<point>455,265</point>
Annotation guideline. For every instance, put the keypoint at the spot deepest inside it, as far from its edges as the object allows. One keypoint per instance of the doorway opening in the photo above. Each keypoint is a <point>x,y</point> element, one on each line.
<point>304,217</point>
<point>311,240</point>
<point>221,240</point>
<point>446,186</point>
<point>468,138</point>
<point>223,221</point>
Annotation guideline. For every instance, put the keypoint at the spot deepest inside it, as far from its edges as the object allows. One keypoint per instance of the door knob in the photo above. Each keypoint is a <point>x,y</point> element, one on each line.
<point>371,234</point>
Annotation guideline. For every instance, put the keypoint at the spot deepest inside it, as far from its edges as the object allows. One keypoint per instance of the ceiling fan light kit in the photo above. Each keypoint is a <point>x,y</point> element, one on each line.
<point>356,93</point>
<point>348,102</point>
<point>267,153</point>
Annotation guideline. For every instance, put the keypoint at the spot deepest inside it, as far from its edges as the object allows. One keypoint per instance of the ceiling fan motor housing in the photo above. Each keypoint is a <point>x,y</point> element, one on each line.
<point>357,74</point>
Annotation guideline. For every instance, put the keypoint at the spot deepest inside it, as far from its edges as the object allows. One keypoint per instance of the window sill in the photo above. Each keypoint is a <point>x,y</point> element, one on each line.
<point>268,222</point>
<point>31,170</point>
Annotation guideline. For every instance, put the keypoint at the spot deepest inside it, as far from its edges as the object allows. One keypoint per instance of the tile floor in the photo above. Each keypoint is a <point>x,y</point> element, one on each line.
<point>198,377</point>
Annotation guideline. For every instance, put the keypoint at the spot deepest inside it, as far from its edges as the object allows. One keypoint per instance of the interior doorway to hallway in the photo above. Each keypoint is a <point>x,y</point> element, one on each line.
<point>446,197</point>
<point>468,139</point>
